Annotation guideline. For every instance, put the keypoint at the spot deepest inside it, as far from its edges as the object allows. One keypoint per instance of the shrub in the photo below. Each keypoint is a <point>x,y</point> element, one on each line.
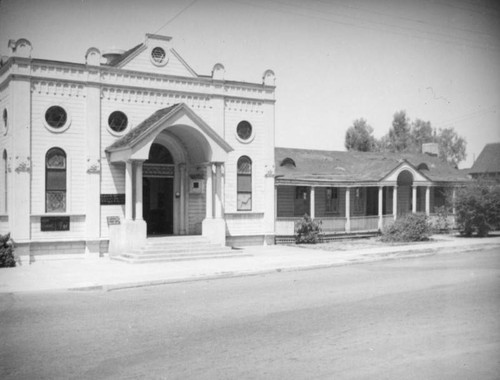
<point>307,231</point>
<point>441,224</point>
<point>478,208</point>
<point>6,252</point>
<point>412,227</point>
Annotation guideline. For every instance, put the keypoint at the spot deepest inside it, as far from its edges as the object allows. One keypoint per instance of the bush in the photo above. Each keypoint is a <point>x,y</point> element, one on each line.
<point>307,231</point>
<point>442,223</point>
<point>412,227</point>
<point>6,252</point>
<point>478,208</point>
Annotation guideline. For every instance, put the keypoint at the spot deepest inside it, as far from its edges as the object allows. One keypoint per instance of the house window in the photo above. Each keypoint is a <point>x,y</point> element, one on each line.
<point>5,120</point>
<point>55,180</point>
<point>244,130</point>
<point>244,184</point>
<point>359,201</point>
<point>117,121</point>
<point>332,200</point>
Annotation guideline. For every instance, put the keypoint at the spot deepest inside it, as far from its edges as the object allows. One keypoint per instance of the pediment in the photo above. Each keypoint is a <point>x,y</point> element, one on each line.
<point>418,176</point>
<point>155,55</point>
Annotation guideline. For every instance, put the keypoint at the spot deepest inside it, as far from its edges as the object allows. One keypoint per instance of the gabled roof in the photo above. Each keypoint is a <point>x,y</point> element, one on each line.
<point>488,160</point>
<point>354,167</point>
<point>116,62</point>
<point>147,130</point>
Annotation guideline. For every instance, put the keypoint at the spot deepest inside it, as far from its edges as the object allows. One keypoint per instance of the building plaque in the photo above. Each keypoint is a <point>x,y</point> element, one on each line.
<point>54,223</point>
<point>112,199</point>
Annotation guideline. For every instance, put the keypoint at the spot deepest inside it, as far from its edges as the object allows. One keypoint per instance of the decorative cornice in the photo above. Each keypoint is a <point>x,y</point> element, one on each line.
<point>60,88</point>
<point>244,105</point>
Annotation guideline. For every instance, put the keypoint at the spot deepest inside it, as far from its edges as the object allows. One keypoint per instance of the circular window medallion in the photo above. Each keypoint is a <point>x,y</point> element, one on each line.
<point>244,131</point>
<point>117,122</point>
<point>159,56</point>
<point>57,119</point>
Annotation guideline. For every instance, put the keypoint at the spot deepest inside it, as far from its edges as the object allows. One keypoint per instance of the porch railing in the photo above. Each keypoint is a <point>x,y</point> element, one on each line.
<point>364,223</point>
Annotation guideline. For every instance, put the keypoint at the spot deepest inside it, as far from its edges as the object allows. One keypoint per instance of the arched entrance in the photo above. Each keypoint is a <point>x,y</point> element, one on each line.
<point>158,191</point>
<point>405,183</point>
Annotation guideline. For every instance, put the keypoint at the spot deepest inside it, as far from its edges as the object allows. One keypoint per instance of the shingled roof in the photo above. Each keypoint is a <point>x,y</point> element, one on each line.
<point>351,167</point>
<point>488,160</point>
<point>140,129</point>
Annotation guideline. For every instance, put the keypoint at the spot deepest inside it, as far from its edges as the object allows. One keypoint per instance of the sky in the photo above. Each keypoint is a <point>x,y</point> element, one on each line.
<point>335,60</point>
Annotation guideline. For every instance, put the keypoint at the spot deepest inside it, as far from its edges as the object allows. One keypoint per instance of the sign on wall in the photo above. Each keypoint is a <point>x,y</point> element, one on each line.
<point>54,223</point>
<point>112,199</point>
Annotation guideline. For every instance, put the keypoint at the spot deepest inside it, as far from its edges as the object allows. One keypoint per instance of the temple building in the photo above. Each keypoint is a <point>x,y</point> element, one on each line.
<point>103,156</point>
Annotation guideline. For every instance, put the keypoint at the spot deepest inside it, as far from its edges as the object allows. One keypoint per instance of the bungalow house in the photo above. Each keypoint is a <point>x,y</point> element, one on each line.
<point>487,165</point>
<point>359,191</point>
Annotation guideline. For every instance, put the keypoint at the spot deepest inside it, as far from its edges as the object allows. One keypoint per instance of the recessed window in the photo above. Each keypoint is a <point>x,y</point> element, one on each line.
<point>244,184</point>
<point>118,121</point>
<point>158,56</point>
<point>244,130</point>
<point>55,180</point>
<point>56,117</point>
<point>5,120</point>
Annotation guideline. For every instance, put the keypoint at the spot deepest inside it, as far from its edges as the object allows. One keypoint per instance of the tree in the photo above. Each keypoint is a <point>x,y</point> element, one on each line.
<point>360,137</point>
<point>451,146</point>
<point>399,134</point>
<point>421,133</point>
<point>478,208</point>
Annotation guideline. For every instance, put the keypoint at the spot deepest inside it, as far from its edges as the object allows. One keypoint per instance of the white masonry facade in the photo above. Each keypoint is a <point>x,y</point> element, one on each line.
<point>97,156</point>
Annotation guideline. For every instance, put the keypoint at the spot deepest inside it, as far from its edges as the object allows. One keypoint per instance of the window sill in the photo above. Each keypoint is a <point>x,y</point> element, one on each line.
<point>245,213</point>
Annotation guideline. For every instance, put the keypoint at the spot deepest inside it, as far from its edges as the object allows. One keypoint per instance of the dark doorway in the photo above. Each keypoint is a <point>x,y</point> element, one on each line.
<point>158,205</point>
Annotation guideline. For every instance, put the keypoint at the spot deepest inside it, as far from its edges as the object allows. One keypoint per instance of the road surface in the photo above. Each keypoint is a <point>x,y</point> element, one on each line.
<point>435,317</point>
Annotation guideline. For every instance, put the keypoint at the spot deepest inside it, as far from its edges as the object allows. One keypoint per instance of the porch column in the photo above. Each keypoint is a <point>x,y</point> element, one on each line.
<point>347,209</point>
<point>209,195</point>
<point>414,199</point>
<point>380,207</point>
<point>129,190</point>
<point>218,190</point>
<point>427,200</point>
<point>182,198</point>
<point>312,203</point>
<point>453,195</point>
<point>395,202</point>
<point>138,190</point>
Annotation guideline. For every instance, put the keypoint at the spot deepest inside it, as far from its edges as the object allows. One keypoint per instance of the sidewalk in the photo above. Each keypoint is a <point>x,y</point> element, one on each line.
<point>106,274</point>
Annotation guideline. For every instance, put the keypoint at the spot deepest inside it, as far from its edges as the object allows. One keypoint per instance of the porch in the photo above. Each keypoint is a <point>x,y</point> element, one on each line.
<point>356,210</point>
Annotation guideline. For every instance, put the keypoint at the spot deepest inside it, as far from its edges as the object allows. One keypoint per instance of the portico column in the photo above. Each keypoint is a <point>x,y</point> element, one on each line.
<point>453,195</point>
<point>138,190</point>
<point>182,198</point>
<point>395,202</point>
<point>414,199</point>
<point>218,191</point>
<point>129,190</point>
<point>380,208</point>
<point>427,200</point>
<point>209,193</point>
<point>347,210</point>
<point>312,203</point>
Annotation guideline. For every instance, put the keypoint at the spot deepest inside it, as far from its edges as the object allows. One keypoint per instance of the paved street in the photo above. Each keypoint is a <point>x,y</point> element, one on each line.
<point>434,317</point>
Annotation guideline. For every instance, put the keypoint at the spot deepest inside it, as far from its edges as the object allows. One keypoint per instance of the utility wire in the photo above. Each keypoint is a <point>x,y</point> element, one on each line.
<point>177,15</point>
<point>459,42</point>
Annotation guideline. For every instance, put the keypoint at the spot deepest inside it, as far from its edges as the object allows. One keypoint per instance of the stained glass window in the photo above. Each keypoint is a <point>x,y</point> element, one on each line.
<point>55,180</point>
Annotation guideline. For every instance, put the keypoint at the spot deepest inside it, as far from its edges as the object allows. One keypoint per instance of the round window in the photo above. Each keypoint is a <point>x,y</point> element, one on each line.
<point>56,117</point>
<point>117,121</point>
<point>158,55</point>
<point>244,130</point>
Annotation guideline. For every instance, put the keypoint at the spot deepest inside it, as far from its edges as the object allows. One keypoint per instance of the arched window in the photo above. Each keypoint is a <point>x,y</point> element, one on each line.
<point>55,180</point>
<point>4,183</point>
<point>244,184</point>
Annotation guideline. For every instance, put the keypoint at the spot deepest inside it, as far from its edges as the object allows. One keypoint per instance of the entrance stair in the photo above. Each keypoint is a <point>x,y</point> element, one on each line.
<point>178,248</point>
